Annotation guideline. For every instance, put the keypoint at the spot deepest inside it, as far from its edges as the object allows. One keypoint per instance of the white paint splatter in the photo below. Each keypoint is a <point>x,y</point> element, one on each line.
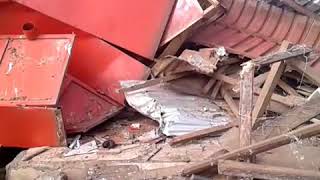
<point>16,91</point>
<point>10,67</point>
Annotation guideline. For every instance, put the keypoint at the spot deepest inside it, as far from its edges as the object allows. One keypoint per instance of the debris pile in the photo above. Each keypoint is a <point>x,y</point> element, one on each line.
<point>233,91</point>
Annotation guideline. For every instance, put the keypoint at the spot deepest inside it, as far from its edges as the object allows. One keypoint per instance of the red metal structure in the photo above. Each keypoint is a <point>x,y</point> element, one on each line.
<point>31,75</point>
<point>134,25</point>
<point>184,14</point>
<point>87,95</point>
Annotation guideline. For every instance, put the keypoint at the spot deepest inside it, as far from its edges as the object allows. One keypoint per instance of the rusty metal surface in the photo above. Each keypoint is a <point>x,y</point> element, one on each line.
<point>31,72</point>
<point>253,28</point>
<point>185,13</point>
<point>31,127</point>
<point>82,108</point>
<point>134,25</point>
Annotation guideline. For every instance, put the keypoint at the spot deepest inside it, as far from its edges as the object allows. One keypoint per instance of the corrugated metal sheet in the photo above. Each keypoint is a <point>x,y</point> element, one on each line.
<point>177,113</point>
<point>254,28</point>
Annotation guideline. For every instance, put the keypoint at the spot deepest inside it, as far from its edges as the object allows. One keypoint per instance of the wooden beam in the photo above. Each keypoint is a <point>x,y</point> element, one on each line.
<point>283,54</point>
<point>306,71</point>
<point>161,65</point>
<point>228,98</point>
<point>286,100</point>
<point>209,85</point>
<point>248,170</point>
<point>153,82</point>
<point>257,82</point>
<point>290,101</point>
<point>211,82</point>
<point>246,102</point>
<point>269,86</point>
<point>288,89</point>
<point>216,89</point>
<point>226,79</point>
<point>293,118</point>
<point>300,9</point>
<point>262,146</point>
<point>200,134</point>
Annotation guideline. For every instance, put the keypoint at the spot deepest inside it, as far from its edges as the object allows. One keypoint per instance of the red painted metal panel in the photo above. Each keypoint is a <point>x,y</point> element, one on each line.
<point>31,72</point>
<point>83,108</point>
<point>31,127</point>
<point>185,13</point>
<point>102,67</point>
<point>134,25</point>
<point>93,61</point>
<point>97,68</point>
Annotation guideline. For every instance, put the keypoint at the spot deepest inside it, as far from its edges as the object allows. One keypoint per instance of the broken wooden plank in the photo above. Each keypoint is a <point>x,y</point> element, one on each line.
<point>216,89</point>
<point>212,13</point>
<point>267,90</point>
<point>226,79</point>
<point>200,134</point>
<point>153,82</point>
<point>161,65</point>
<point>209,85</point>
<point>257,82</point>
<point>246,102</point>
<point>288,89</point>
<point>211,82</point>
<point>269,86</point>
<point>293,118</point>
<point>283,54</point>
<point>249,170</point>
<point>286,100</point>
<point>262,146</point>
<point>228,98</point>
<point>300,9</point>
<point>303,68</point>
<point>290,101</point>
<point>273,106</point>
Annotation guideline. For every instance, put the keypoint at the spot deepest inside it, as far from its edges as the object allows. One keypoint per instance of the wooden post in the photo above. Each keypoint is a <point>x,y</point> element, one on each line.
<point>247,170</point>
<point>246,101</point>
<point>262,146</point>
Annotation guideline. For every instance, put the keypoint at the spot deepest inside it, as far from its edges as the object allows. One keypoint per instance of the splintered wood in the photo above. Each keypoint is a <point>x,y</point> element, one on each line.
<point>246,101</point>
<point>269,86</point>
<point>200,134</point>
<point>262,146</point>
<point>266,87</point>
<point>241,169</point>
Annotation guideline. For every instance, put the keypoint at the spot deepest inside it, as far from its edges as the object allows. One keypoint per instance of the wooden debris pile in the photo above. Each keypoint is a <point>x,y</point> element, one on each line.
<point>272,101</point>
